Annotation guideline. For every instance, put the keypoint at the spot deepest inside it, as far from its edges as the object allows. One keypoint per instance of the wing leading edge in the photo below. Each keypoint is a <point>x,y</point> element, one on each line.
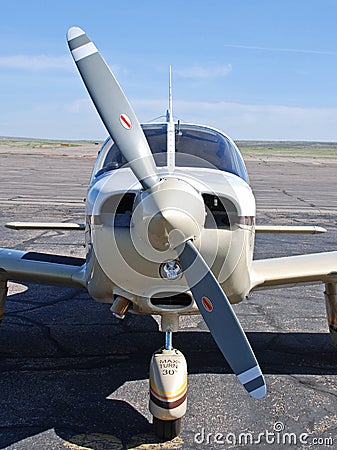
<point>44,268</point>
<point>45,226</point>
<point>292,270</point>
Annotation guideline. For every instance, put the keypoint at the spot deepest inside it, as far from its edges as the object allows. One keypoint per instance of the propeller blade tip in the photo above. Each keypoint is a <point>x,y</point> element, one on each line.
<point>74,32</point>
<point>253,381</point>
<point>259,392</point>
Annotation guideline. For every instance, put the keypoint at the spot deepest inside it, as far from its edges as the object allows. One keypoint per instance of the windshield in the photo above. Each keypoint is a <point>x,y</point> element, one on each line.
<point>196,146</point>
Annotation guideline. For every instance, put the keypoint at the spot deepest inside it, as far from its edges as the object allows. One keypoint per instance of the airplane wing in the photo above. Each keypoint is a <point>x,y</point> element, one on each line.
<point>288,229</point>
<point>45,226</point>
<point>44,268</point>
<point>292,270</point>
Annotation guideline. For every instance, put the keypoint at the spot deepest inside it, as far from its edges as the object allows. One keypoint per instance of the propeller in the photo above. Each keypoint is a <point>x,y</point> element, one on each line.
<point>124,128</point>
<point>221,320</point>
<point>113,107</point>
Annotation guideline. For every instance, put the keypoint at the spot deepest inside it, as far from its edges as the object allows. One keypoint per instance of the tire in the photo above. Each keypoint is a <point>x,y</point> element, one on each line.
<point>166,429</point>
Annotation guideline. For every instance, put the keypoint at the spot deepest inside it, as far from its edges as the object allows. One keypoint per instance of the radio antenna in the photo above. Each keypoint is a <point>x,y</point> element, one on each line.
<point>169,113</point>
<point>171,144</point>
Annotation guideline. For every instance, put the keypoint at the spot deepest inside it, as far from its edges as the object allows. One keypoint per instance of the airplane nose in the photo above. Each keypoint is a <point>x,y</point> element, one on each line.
<point>168,214</point>
<point>171,227</point>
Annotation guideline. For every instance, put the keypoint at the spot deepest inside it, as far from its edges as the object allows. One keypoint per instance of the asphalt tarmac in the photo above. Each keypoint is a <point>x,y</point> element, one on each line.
<point>73,377</point>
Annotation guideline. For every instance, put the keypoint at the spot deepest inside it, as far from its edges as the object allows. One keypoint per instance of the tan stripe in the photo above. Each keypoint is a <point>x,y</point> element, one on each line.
<point>170,397</point>
<point>159,391</point>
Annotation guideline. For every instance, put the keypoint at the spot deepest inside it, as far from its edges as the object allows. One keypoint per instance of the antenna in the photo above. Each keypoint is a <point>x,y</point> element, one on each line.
<point>170,96</point>
<point>171,144</point>
<point>170,110</point>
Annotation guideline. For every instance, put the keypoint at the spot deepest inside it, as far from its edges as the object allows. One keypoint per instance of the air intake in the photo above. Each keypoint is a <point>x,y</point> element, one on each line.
<point>174,301</point>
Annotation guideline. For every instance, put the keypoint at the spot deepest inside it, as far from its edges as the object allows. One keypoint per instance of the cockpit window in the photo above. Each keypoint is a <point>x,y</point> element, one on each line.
<point>204,147</point>
<point>196,146</point>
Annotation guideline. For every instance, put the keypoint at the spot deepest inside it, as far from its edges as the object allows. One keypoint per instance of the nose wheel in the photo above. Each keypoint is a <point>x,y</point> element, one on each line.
<point>166,429</point>
<point>168,389</point>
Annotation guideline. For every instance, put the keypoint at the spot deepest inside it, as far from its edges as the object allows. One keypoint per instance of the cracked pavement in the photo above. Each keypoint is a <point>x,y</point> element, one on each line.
<point>72,376</point>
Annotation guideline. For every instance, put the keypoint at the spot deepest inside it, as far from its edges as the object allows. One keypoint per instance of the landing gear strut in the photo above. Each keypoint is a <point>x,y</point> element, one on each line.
<point>168,389</point>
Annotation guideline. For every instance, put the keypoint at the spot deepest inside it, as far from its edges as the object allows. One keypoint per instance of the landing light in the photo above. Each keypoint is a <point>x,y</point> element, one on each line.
<point>171,270</point>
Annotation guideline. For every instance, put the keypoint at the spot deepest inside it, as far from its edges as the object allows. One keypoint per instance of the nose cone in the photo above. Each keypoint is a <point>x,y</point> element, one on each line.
<point>169,214</point>
<point>171,227</point>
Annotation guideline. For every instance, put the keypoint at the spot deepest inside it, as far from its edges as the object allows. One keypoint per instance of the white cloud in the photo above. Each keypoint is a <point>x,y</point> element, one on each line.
<point>46,62</point>
<point>285,50</point>
<point>35,62</point>
<point>245,121</point>
<point>267,122</point>
<point>80,106</point>
<point>53,121</point>
<point>79,120</point>
<point>202,72</point>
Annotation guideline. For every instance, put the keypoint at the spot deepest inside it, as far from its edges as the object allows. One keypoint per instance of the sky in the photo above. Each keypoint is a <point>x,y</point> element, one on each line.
<point>256,69</point>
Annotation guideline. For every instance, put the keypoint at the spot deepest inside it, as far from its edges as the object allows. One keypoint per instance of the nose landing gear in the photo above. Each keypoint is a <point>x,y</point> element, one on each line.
<point>168,389</point>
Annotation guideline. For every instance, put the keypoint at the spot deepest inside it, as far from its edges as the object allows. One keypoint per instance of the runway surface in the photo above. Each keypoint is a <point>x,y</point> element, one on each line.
<point>73,377</point>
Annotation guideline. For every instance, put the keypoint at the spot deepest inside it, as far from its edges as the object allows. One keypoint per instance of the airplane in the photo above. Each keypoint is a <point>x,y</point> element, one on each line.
<point>169,231</point>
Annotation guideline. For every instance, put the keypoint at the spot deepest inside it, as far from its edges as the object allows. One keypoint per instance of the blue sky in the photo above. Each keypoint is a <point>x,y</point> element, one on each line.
<point>257,69</point>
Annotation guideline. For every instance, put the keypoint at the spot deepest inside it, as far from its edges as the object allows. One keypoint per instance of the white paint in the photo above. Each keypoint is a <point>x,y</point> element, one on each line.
<point>84,51</point>
<point>259,392</point>
<point>74,32</point>
<point>249,375</point>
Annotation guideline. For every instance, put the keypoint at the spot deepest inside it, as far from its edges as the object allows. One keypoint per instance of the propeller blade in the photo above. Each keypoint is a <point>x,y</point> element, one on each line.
<point>221,320</point>
<point>113,107</point>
